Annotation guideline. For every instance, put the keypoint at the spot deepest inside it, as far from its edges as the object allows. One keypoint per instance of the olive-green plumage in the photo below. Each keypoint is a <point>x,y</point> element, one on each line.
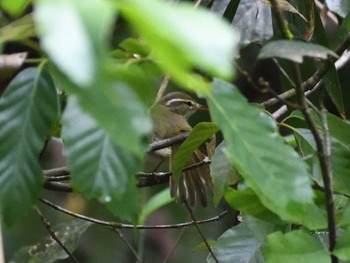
<point>170,119</point>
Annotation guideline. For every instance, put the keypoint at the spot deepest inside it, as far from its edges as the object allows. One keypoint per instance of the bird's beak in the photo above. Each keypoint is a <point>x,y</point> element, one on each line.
<point>199,107</point>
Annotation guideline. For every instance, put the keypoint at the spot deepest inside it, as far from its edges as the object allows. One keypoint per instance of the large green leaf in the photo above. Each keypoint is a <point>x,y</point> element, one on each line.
<point>73,33</point>
<point>295,246</point>
<point>50,251</point>
<point>271,168</point>
<point>294,50</point>
<point>199,134</point>
<point>237,244</point>
<point>100,168</point>
<point>183,38</point>
<point>28,108</point>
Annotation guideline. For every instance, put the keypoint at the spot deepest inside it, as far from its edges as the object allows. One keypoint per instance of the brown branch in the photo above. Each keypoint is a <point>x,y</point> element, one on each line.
<point>130,226</point>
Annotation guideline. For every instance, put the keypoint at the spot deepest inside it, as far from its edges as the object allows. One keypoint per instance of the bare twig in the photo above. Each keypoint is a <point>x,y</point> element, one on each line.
<point>165,260</point>
<point>54,236</point>
<point>200,232</point>
<point>130,226</point>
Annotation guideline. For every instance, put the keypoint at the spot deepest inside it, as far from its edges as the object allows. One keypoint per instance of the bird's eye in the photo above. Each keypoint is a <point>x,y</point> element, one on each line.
<point>189,103</point>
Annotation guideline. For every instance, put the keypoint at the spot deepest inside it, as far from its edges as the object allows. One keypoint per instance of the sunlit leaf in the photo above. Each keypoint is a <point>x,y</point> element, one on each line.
<point>294,50</point>
<point>72,33</point>
<point>183,38</point>
<point>100,169</point>
<point>295,246</point>
<point>28,108</point>
<point>279,177</point>
<point>16,7</point>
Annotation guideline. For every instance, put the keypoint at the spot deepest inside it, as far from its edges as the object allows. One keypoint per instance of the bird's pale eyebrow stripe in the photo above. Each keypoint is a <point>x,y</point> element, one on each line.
<point>176,100</point>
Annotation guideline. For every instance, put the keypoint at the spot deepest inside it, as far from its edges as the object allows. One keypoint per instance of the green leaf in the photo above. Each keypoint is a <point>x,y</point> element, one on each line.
<point>295,246</point>
<point>237,244</point>
<point>278,177</point>
<point>342,248</point>
<point>344,219</point>
<point>248,202</point>
<point>294,50</point>
<point>199,134</point>
<point>20,29</point>
<point>181,41</point>
<point>28,108</point>
<point>156,202</point>
<point>222,172</point>
<point>73,34</point>
<point>50,251</point>
<point>100,169</point>
<point>14,7</point>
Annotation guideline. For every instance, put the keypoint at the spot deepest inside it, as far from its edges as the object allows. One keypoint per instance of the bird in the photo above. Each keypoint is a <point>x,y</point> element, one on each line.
<point>169,118</point>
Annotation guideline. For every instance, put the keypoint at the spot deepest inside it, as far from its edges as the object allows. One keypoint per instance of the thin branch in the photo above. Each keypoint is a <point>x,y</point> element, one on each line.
<point>54,236</point>
<point>201,233</point>
<point>129,226</point>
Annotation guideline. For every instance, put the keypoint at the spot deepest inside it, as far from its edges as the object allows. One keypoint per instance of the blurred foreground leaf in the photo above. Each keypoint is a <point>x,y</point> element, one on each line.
<point>184,38</point>
<point>100,168</point>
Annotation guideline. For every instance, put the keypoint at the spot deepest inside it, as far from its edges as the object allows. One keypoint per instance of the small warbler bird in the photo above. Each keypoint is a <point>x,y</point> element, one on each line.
<point>170,116</point>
